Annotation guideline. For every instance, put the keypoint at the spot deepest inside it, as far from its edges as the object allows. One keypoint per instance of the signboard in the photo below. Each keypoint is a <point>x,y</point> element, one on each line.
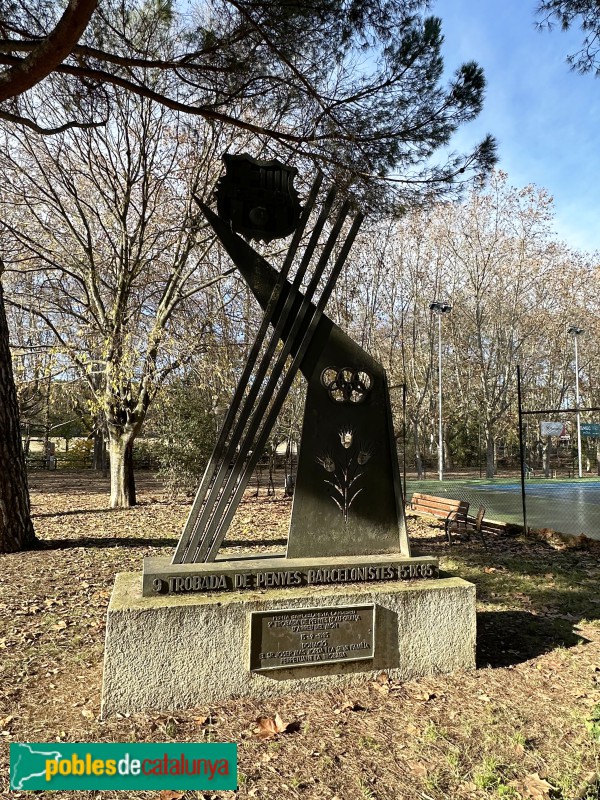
<point>553,429</point>
<point>590,429</point>
<point>308,636</point>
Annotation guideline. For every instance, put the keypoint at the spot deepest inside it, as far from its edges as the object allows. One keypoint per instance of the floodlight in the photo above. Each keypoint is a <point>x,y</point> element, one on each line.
<point>440,308</point>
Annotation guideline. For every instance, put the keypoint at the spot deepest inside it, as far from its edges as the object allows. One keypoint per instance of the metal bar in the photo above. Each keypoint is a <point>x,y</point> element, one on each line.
<point>219,500</point>
<point>521,449</point>
<point>217,453</point>
<point>404,441</point>
<point>201,532</point>
<point>440,429</point>
<point>578,417</point>
<point>396,478</point>
<point>281,394</point>
<point>560,410</point>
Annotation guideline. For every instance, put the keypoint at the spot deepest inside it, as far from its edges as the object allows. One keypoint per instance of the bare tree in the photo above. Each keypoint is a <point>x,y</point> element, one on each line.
<point>246,64</point>
<point>104,225</point>
<point>514,289</point>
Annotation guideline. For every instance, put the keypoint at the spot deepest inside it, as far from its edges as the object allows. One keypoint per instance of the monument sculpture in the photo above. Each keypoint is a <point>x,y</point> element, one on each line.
<point>347,500</point>
<point>347,596</point>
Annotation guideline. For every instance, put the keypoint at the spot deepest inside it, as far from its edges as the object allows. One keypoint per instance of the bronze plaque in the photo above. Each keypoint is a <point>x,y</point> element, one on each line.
<point>297,637</point>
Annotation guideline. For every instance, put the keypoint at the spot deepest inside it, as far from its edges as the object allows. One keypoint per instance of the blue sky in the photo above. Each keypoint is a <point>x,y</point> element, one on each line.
<point>545,117</point>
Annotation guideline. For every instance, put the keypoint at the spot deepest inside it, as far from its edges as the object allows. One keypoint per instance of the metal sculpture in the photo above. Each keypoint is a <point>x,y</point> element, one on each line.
<point>348,499</point>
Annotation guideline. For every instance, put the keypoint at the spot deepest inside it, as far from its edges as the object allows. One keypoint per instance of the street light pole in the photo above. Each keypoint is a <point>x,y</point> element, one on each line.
<point>440,309</point>
<point>576,331</point>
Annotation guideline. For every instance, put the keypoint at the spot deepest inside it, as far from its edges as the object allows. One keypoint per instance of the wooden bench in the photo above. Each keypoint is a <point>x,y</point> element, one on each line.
<point>469,524</point>
<point>453,512</point>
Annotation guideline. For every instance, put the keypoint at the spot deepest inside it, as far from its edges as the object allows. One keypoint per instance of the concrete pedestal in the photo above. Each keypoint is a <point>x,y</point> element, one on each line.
<point>183,651</point>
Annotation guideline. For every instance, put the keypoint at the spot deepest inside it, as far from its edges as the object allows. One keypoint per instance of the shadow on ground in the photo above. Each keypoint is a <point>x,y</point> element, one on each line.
<point>139,541</point>
<point>105,541</point>
<point>78,511</point>
<point>505,638</point>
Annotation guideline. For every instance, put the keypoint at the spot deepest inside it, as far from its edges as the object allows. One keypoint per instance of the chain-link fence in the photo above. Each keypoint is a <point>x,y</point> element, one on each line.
<point>549,477</point>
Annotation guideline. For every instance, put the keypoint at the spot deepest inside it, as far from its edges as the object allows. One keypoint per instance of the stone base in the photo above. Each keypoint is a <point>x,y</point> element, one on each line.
<point>183,651</point>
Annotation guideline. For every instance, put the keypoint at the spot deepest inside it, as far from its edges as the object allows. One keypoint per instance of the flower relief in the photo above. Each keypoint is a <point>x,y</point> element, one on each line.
<point>345,472</point>
<point>326,462</point>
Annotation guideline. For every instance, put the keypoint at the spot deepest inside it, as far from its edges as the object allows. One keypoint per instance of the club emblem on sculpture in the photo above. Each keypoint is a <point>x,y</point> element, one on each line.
<point>347,499</point>
<point>258,198</point>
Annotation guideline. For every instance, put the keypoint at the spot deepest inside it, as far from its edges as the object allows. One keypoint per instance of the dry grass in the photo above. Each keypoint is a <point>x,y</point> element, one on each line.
<point>525,712</point>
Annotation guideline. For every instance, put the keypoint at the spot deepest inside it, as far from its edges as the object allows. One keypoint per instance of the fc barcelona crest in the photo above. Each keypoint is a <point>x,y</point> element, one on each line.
<point>258,197</point>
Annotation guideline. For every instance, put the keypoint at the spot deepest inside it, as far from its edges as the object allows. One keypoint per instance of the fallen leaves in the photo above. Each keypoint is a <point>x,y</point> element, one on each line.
<point>417,691</point>
<point>382,683</point>
<point>519,749</point>
<point>49,586</point>
<point>534,787</point>
<point>417,768</point>
<point>349,706</point>
<point>269,727</point>
<point>207,719</point>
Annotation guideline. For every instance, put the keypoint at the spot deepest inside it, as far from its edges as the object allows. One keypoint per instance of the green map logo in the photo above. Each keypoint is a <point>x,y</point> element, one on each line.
<point>58,766</point>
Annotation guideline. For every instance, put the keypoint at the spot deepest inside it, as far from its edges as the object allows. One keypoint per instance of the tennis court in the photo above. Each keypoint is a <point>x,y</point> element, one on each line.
<point>568,506</point>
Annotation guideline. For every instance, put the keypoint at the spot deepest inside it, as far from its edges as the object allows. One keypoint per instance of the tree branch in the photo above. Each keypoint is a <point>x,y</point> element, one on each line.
<point>28,123</point>
<point>50,52</point>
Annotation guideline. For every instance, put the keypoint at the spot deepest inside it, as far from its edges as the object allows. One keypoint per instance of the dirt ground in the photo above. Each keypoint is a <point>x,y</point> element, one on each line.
<point>525,724</point>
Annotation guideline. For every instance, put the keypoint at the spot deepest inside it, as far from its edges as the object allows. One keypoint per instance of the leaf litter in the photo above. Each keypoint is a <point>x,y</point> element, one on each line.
<point>522,720</point>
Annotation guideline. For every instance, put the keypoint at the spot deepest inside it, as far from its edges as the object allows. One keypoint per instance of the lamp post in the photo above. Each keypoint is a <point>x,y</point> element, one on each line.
<point>440,309</point>
<point>575,331</point>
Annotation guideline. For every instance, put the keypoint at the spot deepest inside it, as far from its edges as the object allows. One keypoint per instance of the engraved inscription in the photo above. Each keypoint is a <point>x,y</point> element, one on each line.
<point>267,579</point>
<point>293,638</point>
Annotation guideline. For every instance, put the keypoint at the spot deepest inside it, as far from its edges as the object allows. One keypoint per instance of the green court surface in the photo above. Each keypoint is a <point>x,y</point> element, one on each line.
<point>569,506</point>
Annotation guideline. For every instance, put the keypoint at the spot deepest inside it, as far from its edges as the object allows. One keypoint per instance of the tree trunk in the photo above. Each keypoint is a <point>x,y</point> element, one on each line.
<point>418,457</point>
<point>447,453</point>
<point>99,452</point>
<point>490,450</point>
<point>546,454</point>
<point>16,528</point>
<point>122,478</point>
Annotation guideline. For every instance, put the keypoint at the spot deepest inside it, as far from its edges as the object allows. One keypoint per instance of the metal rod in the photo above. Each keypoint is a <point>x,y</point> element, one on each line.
<point>234,406</point>
<point>440,432</point>
<point>283,390</point>
<point>521,449</point>
<point>220,500</point>
<point>580,472</point>
<point>562,410</point>
<point>404,441</point>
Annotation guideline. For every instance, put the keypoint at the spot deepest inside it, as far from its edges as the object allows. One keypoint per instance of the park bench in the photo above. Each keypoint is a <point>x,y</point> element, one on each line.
<point>451,511</point>
<point>468,524</point>
<point>455,514</point>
